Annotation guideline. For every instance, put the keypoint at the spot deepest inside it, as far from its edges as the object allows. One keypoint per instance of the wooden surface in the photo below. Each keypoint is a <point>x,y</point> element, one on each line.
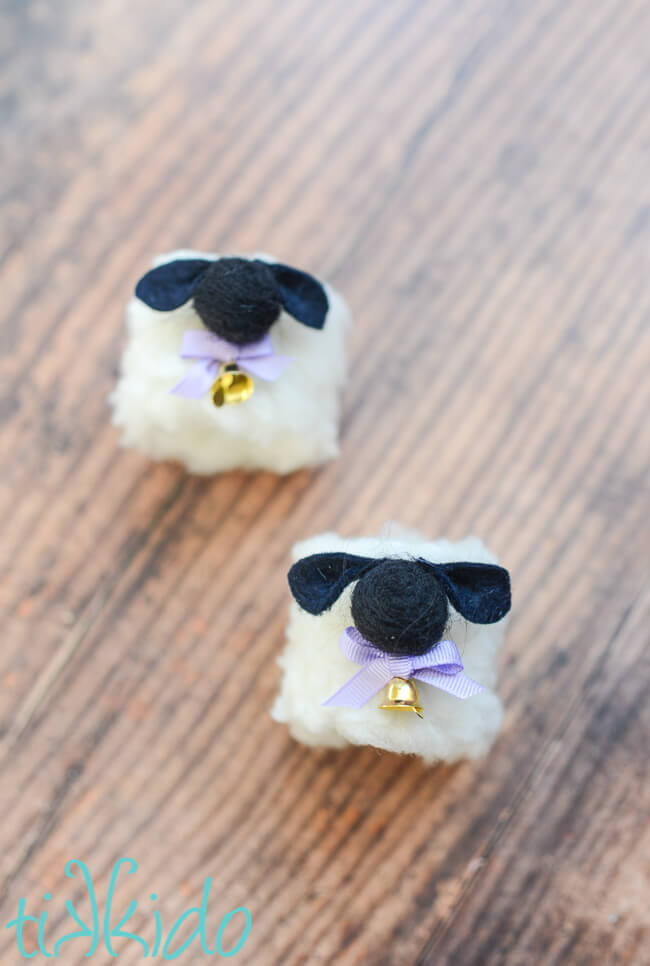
<point>474,177</point>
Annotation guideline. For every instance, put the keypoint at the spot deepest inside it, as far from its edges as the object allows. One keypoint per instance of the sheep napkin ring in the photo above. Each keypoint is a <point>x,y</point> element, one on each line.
<point>415,625</point>
<point>232,362</point>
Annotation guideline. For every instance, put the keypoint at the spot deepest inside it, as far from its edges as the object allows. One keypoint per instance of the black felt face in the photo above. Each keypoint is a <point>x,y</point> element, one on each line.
<point>238,299</point>
<point>402,606</point>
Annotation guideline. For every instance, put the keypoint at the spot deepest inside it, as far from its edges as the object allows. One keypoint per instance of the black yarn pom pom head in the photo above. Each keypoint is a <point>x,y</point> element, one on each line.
<point>237,299</point>
<point>400,607</point>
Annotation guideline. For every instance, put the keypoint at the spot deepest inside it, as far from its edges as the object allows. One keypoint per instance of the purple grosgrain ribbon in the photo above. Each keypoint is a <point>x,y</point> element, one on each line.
<point>440,666</point>
<point>257,358</point>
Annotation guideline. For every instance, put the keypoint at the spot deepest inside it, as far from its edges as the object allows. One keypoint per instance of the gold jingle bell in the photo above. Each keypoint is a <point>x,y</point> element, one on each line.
<point>231,385</point>
<point>402,695</point>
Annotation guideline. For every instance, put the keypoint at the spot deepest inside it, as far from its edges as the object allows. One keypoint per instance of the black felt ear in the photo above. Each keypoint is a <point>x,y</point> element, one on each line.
<point>316,582</point>
<point>301,295</point>
<point>480,592</point>
<point>171,285</point>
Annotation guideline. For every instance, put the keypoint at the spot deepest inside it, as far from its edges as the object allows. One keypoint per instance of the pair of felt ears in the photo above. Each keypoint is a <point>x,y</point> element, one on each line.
<point>479,592</point>
<point>171,285</point>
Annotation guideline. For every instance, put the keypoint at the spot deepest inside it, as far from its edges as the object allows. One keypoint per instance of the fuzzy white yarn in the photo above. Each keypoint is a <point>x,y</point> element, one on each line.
<point>314,667</point>
<point>286,424</point>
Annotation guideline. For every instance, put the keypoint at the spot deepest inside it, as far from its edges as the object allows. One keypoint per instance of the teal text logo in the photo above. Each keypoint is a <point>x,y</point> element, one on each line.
<point>100,927</point>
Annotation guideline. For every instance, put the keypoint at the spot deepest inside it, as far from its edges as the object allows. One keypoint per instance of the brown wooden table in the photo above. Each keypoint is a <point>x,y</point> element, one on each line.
<point>476,178</point>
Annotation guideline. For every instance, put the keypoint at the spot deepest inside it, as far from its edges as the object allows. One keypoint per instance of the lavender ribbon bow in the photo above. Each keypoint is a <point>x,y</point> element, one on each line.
<point>441,666</point>
<point>256,357</point>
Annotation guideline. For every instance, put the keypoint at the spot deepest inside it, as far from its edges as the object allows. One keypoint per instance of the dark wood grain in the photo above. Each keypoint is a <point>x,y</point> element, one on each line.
<point>474,178</point>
